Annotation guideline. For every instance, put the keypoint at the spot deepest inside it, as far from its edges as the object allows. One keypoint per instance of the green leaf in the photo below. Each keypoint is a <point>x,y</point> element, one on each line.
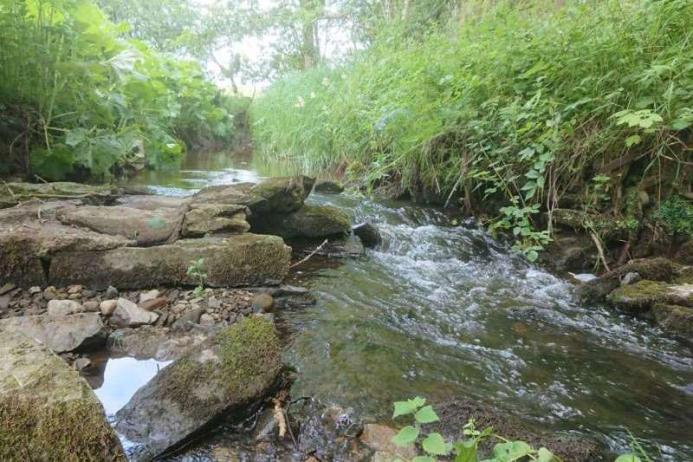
<point>632,140</point>
<point>408,407</point>
<point>435,444</point>
<point>509,452</point>
<point>406,436</point>
<point>75,136</point>
<point>627,458</point>
<point>426,415</point>
<point>466,451</point>
<point>544,455</point>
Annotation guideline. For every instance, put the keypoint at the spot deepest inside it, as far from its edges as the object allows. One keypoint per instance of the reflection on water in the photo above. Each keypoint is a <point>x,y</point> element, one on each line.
<point>122,378</point>
<point>441,311</point>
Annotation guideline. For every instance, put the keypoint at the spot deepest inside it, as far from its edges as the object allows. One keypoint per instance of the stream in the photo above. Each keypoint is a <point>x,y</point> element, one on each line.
<point>442,310</point>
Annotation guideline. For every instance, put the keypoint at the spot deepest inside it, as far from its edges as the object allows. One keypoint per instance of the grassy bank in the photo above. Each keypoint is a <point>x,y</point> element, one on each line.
<point>516,110</point>
<point>79,100</point>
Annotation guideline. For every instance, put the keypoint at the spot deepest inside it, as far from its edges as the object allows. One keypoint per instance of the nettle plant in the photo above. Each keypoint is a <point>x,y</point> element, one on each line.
<point>197,272</point>
<point>434,445</point>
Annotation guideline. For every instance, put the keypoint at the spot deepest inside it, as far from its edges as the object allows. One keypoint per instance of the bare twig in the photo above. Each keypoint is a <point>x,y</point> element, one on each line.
<point>278,414</point>
<point>600,249</point>
<point>308,257</point>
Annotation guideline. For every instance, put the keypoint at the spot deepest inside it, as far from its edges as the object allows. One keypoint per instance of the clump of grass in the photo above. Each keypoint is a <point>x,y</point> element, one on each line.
<point>520,104</point>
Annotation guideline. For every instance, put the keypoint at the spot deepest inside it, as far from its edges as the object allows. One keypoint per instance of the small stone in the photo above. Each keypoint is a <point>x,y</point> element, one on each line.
<point>107,307</point>
<point>4,302</point>
<point>128,314</point>
<point>91,306</point>
<point>179,308</point>
<point>214,303</point>
<point>207,320</point>
<point>75,289</point>
<point>34,290</point>
<point>82,363</point>
<point>111,292</point>
<point>49,293</point>
<point>630,278</point>
<point>148,295</point>
<point>59,308</point>
<point>262,303</point>
<point>154,303</point>
<point>6,288</point>
<point>75,296</point>
<point>187,319</point>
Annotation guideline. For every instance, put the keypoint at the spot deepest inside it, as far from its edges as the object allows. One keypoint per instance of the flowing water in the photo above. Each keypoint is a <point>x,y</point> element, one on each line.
<point>442,310</point>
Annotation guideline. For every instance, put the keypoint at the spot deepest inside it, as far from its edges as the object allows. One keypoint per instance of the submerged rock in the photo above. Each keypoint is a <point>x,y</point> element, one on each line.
<point>674,318</point>
<point>368,233</point>
<point>239,260</point>
<point>80,331</point>
<point>223,375</point>
<point>328,187</point>
<point>47,411</point>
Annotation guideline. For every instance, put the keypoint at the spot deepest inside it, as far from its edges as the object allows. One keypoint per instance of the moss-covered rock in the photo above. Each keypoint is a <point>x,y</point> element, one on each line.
<point>207,219</point>
<point>311,221</point>
<point>238,260</point>
<point>47,411</point>
<point>328,187</point>
<point>225,375</point>
<point>674,318</point>
<point>643,295</point>
<point>279,195</point>
<point>653,269</point>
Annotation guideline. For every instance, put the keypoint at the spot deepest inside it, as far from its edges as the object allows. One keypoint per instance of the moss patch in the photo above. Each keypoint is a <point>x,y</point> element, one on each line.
<point>674,318</point>
<point>638,297</point>
<point>242,362</point>
<point>66,431</point>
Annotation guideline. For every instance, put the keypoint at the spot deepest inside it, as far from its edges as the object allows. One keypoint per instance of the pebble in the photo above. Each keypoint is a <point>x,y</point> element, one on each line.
<point>50,293</point>
<point>91,306</point>
<point>107,307</point>
<point>75,289</point>
<point>154,303</point>
<point>207,320</point>
<point>149,295</point>
<point>82,363</point>
<point>4,302</point>
<point>111,292</point>
<point>34,290</point>
<point>262,303</point>
<point>75,296</point>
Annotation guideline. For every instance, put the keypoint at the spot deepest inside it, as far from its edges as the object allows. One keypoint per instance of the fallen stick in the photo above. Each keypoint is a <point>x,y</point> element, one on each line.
<point>317,249</point>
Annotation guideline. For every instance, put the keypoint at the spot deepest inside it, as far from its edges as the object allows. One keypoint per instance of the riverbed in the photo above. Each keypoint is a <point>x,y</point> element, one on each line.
<point>441,310</point>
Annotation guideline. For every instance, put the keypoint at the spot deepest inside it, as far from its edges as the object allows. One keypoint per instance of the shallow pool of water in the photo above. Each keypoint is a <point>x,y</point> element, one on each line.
<point>442,310</point>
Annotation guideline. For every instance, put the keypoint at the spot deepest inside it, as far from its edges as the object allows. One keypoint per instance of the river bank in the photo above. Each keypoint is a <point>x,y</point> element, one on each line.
<point>441,309</point>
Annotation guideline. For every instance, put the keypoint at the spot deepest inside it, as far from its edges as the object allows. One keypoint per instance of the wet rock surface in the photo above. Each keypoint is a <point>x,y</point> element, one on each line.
<point>47,411</point>
<point>71,332</point>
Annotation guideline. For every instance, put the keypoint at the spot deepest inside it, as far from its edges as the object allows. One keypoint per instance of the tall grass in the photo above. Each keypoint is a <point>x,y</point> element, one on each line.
<point>523,104</point>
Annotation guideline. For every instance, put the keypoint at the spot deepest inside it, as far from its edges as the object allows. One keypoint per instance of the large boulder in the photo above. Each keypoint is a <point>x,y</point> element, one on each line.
<point>238,260</point>
<point>207,219</point>
<point>73,332</point>
<point>311,222</point>
<point>146,227</point>
<point>280,195</point>
<point>47,411</point>
<point>224,375</point>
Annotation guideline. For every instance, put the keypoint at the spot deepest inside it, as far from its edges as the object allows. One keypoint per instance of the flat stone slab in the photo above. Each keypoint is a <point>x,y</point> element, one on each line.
<point>144,226</point>
<point>234,261</point>
<point>47,411</point>
<point>79,331</point>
